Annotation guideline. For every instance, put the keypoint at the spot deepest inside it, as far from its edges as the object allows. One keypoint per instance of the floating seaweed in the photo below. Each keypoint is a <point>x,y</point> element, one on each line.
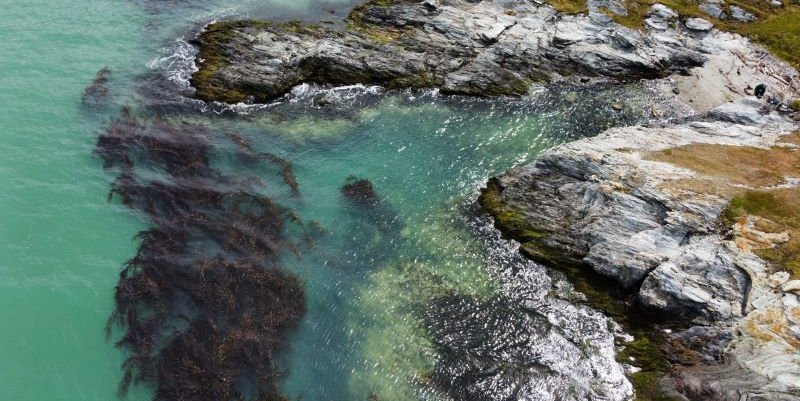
<point>97,93</point>
<point>286,171</point>
<point>205,304</point>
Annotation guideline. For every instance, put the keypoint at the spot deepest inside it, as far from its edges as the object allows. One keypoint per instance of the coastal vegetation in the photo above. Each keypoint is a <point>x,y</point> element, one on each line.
<point>776,27</point>
<point>569,6</point>
<point>759,182</point>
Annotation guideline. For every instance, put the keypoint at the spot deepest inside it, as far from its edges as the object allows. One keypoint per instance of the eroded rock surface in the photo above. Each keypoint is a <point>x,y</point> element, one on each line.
<point>480,48</point>
<point>605,203</point>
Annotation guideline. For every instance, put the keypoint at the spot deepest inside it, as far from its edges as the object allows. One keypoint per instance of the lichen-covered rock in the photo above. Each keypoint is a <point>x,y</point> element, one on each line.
<point>713,9</point>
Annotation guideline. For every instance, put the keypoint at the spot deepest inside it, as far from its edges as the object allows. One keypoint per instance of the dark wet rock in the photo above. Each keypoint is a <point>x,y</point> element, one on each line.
<point>486,48</point>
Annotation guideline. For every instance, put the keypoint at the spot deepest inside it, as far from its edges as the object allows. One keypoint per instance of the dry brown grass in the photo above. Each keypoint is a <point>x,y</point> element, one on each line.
<point>791,138</point>
<point>743,165</point>
<point>748,176</point>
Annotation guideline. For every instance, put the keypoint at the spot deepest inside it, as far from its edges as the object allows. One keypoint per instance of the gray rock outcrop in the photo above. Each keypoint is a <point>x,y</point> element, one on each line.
<point>483,48</point>
<point>606,204</point>
<point>698,24</point>
<point>742,15</point>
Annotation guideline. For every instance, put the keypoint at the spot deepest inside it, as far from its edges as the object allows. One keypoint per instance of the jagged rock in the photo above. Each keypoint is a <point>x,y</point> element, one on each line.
<point>602,202</point>
<point>614,6</point>
<point>485,48</point>
<point>741,14</point>
<point>658,24</point>
<point>698,24</point>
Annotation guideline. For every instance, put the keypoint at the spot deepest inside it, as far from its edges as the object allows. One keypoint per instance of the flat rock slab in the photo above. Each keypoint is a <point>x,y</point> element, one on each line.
<point>699,24</point>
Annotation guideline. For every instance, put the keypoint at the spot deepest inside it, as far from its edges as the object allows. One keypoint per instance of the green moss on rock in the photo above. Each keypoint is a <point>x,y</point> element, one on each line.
<point>602,293</point>
<point>211,58</point>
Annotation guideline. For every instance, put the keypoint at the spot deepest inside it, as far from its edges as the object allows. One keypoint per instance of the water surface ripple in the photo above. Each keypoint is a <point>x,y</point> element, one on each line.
<point>415,298</point>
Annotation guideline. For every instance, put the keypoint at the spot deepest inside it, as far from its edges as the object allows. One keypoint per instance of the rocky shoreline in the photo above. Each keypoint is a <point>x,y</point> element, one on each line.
<point>477,48</point>
<point>618,203</point>
<point>602,203</point>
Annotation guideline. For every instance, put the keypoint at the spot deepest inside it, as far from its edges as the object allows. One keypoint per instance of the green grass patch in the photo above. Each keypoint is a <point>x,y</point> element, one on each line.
<point>569,6</point>
<point>781,207</point>
<point>778,29</point>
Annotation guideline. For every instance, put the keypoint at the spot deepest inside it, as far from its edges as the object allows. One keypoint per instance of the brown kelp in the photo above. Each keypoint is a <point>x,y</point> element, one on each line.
<point>365,202</point>
<point>247,153</point>
<point>97,93</point>
<point>204,304</point>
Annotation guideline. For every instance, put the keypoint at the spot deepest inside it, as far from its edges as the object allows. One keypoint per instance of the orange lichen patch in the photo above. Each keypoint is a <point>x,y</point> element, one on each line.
<point>691,187</point>
<point>770,324</point>
<point>748,237</point>
<point>781,209</point>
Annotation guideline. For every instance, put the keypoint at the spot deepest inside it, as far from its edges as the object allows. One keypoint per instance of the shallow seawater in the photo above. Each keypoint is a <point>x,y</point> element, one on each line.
<point>418,300</point>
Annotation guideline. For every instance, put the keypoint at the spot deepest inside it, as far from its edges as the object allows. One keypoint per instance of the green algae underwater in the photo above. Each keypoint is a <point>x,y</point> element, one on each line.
<point>379,281</point>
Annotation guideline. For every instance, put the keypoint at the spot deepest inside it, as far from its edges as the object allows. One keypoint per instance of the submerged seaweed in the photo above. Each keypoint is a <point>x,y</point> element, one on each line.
<point>97,93</point>
<point>365,202</point>
<point>204,304</point>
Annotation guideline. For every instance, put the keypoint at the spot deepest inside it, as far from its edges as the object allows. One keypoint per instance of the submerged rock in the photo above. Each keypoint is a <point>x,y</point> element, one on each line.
<point>485,48</point>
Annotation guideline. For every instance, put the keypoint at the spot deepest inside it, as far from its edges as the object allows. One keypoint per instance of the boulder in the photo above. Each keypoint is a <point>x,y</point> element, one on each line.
<point>742,15</point>
<point>698,24</point>
<point>714,10</point>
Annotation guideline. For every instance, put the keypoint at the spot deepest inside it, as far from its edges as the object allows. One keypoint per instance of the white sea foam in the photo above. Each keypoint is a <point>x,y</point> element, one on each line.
<point>177,63</point>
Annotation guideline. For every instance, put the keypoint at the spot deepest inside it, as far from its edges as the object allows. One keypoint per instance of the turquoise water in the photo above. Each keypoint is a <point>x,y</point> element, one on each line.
<point>363,334</point>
